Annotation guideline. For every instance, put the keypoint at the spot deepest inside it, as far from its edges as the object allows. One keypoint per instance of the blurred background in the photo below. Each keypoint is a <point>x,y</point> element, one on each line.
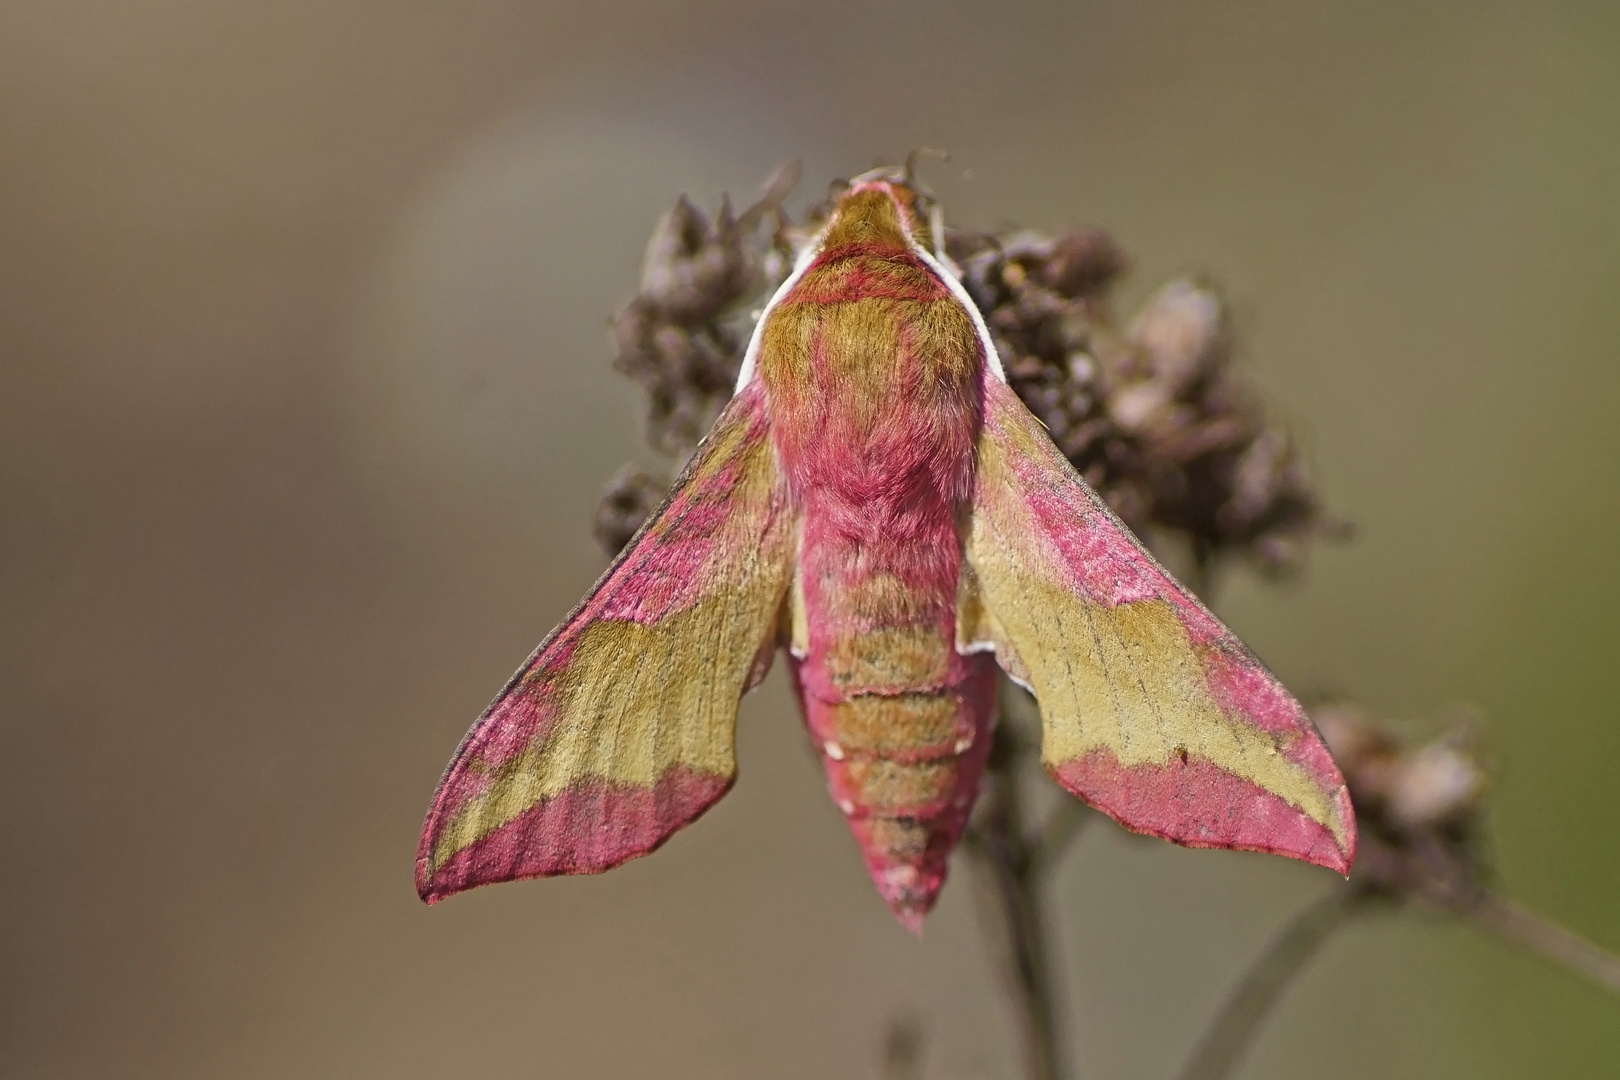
<point>305,407</point>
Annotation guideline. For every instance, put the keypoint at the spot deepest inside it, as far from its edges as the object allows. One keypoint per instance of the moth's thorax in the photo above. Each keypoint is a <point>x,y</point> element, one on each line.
<point>876,212</point>
<point>871,364</point>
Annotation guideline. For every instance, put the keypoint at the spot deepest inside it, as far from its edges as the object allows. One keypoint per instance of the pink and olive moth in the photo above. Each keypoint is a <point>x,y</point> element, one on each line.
<point>876,500</point>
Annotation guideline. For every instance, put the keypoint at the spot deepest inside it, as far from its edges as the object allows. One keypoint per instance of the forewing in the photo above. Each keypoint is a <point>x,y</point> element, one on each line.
<point>620,728</point>
<point>1153,711</point>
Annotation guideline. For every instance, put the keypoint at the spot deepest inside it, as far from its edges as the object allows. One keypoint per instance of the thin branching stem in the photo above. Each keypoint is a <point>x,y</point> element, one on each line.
<point>1547,939</point>
<point>1057,834</point>
<point>1029,972</point>
<point>903,1051</point>
<point>1245,1010</point>
<point>1016,862</point>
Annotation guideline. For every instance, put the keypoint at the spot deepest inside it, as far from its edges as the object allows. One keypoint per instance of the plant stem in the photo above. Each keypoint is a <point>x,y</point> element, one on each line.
<point>1015,862</point>
<point>902,1051</point>
<point>1512,922</point>
<point>1030,975</point>
<point>1057,834</point>
<point>1245,1010</point>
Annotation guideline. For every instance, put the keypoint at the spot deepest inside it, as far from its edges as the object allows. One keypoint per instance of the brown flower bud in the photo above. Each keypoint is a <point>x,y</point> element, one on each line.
<point>695,268</point>
<point>630,499</point>
<point>1083,263</point>
<point>1183,330</point>
<point>1436,785</point>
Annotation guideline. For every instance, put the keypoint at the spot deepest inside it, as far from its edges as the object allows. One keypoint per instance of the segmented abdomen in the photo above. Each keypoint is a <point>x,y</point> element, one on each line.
<point>904,768</point>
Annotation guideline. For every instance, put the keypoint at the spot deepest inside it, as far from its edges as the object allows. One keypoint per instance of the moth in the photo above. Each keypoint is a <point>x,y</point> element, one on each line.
<point>878,502</point>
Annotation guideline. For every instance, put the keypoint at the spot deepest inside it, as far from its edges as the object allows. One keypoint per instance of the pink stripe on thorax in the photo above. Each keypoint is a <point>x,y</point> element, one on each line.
<point>862,281</point>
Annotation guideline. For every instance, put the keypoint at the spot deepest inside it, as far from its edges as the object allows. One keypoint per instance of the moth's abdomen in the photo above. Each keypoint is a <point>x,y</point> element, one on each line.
<point>904,768</point>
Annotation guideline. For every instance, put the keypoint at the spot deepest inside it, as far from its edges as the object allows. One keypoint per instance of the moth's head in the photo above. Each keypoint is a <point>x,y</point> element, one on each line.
<point>883,208</point>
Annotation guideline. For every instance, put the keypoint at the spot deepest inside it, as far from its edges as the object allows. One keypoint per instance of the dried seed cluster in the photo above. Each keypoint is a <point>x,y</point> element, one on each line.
<point>674,337</point>
<point>682,335</point>
<point>1419,807</point>
<point>1155,415</point>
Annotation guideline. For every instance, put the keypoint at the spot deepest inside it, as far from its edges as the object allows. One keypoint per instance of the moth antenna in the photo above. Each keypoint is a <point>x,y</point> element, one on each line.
<point>909,176</point>
<point>891,174</point>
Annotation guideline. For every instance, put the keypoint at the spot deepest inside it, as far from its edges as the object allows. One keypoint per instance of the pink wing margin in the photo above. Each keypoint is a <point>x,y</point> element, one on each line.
<point>1153,711</point>
<point>619,729</point>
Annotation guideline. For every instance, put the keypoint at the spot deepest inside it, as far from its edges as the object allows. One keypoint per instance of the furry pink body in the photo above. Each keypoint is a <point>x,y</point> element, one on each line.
<point>876,435</point>
<point>873,484</point>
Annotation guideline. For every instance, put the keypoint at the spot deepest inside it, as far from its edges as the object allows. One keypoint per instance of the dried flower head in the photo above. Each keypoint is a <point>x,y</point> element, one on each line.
<point>682,336</point>
<point>1419,806</point>
<point>1155,414</point>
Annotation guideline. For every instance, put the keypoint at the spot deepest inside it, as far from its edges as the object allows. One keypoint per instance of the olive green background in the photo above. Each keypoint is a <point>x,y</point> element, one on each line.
<point>305,405</point>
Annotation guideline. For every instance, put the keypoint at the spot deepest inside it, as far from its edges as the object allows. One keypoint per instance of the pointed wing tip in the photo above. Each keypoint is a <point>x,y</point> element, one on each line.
<point>1336,858</point>
<point>1343,857</point>
<point>1332,848</point>
<point>428,885</point>
<point>1338,852</point>
<point>586,829</point>
<point>431,885</point>
<point>1329,856</point>
<point>430,889</point>
<point>1203,807</point>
